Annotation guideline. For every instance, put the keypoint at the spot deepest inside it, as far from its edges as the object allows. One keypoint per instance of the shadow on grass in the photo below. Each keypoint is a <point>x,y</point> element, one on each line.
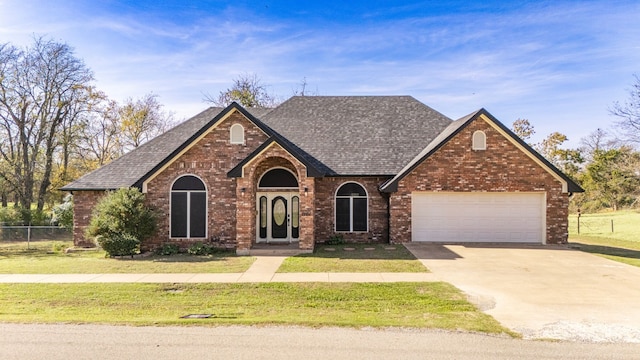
<point>608,250</point>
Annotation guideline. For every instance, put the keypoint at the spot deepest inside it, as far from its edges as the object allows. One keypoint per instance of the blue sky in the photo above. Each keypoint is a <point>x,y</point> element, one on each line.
<point>560,64</point>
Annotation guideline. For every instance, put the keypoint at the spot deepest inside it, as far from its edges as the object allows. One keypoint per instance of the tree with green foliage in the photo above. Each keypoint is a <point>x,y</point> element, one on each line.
<point>121,216</point>
<point>611,179</point>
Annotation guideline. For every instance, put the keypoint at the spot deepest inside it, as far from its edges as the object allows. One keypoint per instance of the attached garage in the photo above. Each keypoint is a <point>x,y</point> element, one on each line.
<point>516,217</point>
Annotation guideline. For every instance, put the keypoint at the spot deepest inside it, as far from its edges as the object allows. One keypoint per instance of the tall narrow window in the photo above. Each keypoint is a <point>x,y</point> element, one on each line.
<point>352,208</point>
<point>188,208</point>
<point>479,141</point>
<point>237,134</point>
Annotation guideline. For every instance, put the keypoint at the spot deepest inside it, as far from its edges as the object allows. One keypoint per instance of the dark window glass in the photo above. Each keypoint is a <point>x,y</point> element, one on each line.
<point>198,214</point>
<point>263,217</point>
<point>359,214</point>
<point>343,214</point>
<point>351,189</point>
<point>188,183</point>
<point>279,178</point>
<point>179,214</point>
<point>295,217</point>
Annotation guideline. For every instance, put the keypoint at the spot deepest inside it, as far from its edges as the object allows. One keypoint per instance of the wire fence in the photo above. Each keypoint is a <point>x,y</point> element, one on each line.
<point>28,234</point>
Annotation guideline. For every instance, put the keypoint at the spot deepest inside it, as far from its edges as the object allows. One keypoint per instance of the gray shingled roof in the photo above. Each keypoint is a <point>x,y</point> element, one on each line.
<point>358,135</point>
<point>131,167</point>
<point>337,135</point>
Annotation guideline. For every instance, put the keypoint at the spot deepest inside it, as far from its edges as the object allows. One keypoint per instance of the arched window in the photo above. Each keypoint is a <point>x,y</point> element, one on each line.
<point>352,208</point>
<point>188,208</point>
<point>278,178</point>
<point>237,134</point>
<point>479,141</point>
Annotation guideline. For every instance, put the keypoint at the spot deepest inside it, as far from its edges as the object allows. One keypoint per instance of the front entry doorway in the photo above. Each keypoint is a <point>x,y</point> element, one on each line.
<point>278,217</point>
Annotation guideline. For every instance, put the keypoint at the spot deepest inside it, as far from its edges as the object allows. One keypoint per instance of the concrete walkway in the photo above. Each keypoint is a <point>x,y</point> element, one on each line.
<point>263,270</point>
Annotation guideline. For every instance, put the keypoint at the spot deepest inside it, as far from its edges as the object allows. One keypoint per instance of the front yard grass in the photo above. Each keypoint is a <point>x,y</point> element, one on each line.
<point>622,245</point>
<point>47,257</point>
<point>418,305</point>
<point>363,258</point>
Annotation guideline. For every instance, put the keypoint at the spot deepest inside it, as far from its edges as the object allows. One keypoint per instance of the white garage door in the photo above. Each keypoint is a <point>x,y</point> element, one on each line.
<point>478,217</point>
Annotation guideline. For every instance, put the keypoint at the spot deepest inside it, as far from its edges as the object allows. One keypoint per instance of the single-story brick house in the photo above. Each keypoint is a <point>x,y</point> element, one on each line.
<point>372,168</point>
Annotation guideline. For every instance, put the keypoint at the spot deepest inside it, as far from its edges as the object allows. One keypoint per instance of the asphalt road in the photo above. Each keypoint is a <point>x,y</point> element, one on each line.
<point>53,342</point>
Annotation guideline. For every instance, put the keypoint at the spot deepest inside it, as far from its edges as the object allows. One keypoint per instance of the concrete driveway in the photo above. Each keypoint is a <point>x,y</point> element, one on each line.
<point>543,291</point>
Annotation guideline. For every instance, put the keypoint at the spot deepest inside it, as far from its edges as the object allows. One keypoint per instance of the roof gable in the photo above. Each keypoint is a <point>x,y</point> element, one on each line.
<point>455,127</point>
<point>142,163</point>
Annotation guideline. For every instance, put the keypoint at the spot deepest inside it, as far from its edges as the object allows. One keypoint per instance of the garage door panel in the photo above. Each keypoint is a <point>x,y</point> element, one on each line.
<point>478,217</point>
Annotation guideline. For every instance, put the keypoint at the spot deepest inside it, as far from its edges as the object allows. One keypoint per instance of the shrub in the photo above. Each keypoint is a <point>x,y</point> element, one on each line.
<point>122,212</point>
<point>168,249</point>
<point>202,249</point>
<point>63,213</point>
<point>336,239</point>
<point>119,245</point>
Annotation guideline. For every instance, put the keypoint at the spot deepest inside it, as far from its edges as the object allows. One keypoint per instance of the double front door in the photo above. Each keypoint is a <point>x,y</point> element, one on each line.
<point>278,216</point>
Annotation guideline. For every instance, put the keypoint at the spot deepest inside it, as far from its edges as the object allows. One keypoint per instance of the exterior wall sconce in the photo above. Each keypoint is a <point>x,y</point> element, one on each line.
<point>242,190</point>
<point>306,191</point>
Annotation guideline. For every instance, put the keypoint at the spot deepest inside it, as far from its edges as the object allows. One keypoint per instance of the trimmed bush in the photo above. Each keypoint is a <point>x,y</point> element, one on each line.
<point>119,245</point>
<point>122,212</point>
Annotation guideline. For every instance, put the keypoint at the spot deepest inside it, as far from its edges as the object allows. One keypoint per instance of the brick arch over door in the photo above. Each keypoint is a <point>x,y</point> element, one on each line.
<point>247,186</point>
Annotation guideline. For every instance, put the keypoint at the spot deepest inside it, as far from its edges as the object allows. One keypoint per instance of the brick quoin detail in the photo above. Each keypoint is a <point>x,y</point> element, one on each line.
<point>502,167</point>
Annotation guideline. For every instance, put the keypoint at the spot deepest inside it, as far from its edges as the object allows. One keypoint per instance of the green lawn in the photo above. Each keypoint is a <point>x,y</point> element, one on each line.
<point>363,258</point>
<point>420,305</point>
<point>47,257</point>
<point>623,244</point>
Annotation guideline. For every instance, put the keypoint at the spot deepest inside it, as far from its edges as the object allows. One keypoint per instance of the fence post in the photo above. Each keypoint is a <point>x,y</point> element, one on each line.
<point>611,225</point>
<point>29,237</point>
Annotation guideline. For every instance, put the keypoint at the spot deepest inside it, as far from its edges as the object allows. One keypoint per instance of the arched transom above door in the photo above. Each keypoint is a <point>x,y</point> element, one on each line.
<point>278,178</point>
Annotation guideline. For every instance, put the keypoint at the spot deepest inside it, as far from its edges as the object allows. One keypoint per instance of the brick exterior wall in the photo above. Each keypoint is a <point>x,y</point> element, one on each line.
<point>502,167</point>
<point>325,210</point>
<point>83,204</point>
<point>273,156</point>
<point>210,159</point>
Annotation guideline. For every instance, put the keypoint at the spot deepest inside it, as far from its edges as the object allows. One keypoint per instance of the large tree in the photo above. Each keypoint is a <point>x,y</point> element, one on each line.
<point>628,114</point>
<point>141,120</point>
<point>41,87</point>
<point>247,90</point>
<point>611,179</point>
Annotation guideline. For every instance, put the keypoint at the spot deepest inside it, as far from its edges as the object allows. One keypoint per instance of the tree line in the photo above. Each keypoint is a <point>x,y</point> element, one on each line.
<point>607,162</point>
<point>55,125</point>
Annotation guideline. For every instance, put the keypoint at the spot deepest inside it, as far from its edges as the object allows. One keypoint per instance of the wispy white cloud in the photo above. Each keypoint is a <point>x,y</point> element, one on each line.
<point>554,62</point>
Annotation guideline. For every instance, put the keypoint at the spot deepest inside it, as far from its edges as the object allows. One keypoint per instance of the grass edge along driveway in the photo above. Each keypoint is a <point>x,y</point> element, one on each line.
<point>415,305</point>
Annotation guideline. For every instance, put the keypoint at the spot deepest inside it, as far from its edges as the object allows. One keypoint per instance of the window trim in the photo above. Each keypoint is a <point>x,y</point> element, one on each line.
<point>335,208</point>
<point>478,136</point>
<point>188,220</point>
<point>231,132</point>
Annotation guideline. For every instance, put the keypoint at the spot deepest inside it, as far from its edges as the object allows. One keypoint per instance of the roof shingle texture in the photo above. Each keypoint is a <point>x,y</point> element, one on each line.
<point>339,135</point>
<point>358,135</point>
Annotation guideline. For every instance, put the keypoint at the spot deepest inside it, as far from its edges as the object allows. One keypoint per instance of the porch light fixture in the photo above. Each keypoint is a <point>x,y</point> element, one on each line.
<point>242,190</point>
<point>306,191</point>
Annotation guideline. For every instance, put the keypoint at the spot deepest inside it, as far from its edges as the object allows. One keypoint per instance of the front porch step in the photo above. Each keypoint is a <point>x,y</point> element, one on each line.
<point>277,252</point>
<point>274,249</point>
